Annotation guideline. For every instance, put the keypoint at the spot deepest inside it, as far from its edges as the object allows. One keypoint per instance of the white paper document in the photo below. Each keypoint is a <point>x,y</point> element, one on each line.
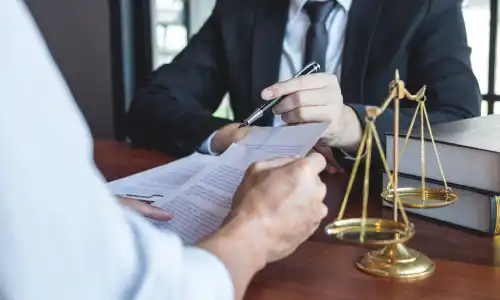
<point>198,189</point>
<point>285,140</point>
<point>200,205</point>
<point>203,202</point>
<point>161,181</point>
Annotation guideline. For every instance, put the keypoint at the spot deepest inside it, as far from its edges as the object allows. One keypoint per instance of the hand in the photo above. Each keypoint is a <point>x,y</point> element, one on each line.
<point>146,210</point>
<point>283,199</point>
<point>317,98</point>
<point>276,207</point>
<point>228,135</point>
<point>332,166</point>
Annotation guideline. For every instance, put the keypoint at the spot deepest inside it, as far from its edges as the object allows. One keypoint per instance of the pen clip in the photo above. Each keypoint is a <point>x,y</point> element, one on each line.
<point>310,68</point>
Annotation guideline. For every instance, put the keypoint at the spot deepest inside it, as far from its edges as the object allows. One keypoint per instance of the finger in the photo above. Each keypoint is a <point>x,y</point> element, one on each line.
<point>278,162</point>
<point>332,166</point>
<point>320,190</point>
<point>241,133</point>
<point>300,99</point>
<point>147,210</point>
<point>319,212</point>
<point>157,213</point>
<point>301,83</point>
<point>324,211</point>
<point>331,169</point>
<point>313,227</point>
<point>316,162</point>
<point>269,164</point>
<point>308,114</point>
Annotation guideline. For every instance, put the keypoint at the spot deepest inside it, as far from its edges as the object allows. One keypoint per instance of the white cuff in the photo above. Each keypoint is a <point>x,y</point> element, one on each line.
<point>350,157</point>
<point>206,146</point>
<point>208,278</point>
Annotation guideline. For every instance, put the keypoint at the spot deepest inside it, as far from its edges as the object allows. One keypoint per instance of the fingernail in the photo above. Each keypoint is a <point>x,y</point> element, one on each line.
<point>267,94</point>
<point>331,169</point>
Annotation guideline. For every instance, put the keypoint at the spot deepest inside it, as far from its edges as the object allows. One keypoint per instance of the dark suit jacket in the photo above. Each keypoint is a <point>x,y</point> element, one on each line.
<point>238,51</point>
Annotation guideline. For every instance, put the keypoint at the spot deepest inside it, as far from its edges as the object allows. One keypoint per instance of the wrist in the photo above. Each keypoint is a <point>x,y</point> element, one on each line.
<point>246,231</point>
<point>352,132</point>
<point>238,247</point>
<point>239,235</point>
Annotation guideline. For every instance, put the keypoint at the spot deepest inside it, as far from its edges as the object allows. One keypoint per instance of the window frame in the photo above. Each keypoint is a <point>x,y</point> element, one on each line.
<point>132,55</point>
<point>491,97</point>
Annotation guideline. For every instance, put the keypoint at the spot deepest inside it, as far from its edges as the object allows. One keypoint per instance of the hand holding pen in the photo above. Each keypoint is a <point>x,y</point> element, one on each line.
<point>233,133</point>
<point>317,98</point>
<point>311,68</point>
<point>288,106</point>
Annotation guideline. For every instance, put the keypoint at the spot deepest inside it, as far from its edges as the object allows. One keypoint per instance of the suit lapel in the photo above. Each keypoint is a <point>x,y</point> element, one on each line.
<point>361,25</point>
<point>390,36</point>
<point>270,24</point>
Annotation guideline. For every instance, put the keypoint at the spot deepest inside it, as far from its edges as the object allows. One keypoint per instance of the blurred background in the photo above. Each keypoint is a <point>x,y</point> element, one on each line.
<point>107,48</point>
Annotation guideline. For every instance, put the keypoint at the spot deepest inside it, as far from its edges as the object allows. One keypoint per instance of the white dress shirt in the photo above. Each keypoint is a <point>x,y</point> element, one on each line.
<point>62,234</point>
<point>294,44</point>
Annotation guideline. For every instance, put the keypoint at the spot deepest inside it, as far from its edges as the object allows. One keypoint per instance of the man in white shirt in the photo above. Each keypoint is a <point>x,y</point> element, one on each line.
<point>64,236</point>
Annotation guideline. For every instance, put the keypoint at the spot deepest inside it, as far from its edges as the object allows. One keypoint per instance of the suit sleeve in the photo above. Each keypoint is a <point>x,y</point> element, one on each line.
<point>441,59</point>
<point>173,112</point>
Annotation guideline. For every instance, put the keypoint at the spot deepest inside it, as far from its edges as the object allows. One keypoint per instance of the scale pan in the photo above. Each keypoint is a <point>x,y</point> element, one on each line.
<point>373,232</point>
<point>422,198</point>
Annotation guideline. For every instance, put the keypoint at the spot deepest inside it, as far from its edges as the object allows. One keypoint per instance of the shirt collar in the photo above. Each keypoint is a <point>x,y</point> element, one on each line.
<point>297,5</point>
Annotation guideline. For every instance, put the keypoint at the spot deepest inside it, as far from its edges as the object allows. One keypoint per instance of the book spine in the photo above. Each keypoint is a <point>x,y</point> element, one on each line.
<point>495,215</point>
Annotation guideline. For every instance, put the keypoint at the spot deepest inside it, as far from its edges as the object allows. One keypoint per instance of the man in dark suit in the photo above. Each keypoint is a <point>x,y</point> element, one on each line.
<point>246,47</point>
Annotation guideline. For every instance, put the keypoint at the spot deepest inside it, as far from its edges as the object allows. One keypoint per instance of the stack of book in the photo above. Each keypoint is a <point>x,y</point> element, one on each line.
<point>469,152</point>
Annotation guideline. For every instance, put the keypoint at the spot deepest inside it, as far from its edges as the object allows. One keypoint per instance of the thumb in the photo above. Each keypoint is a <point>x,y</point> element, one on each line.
<point>241,133</point>
<point>315,162</point>
<point>147,210</point>
<point>278,162</point>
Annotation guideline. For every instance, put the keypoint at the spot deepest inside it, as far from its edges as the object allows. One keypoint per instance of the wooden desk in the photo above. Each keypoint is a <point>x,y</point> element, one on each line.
<point>466,264</point>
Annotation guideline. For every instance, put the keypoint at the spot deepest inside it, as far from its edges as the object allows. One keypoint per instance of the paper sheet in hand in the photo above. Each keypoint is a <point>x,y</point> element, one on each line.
<point>161,181</point>
<point>203,202</point>
<point>285,140</point>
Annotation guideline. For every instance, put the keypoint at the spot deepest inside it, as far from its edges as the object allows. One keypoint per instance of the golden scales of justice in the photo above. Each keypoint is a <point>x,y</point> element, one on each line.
<point>394,259</point>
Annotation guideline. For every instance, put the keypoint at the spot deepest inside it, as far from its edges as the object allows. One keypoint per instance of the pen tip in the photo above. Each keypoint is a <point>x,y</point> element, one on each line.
<point>243,124</point>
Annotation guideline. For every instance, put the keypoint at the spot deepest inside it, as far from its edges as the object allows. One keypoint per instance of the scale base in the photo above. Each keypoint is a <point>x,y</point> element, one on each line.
<point>397,261</point>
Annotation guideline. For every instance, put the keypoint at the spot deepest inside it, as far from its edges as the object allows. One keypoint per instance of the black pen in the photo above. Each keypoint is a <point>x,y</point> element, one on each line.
<point>312,67</point>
